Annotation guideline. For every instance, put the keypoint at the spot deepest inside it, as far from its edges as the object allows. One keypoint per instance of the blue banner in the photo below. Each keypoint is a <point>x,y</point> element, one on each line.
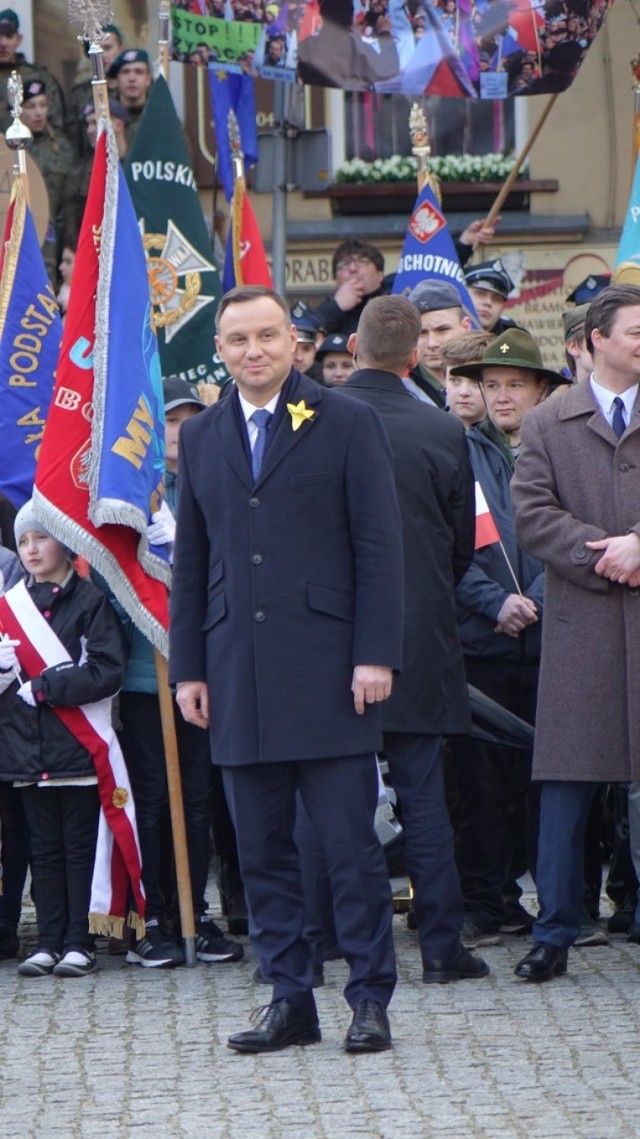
<point>233,93</point>
<point>628,255</point>
<point>429,254</point>
<point>30,335</point>
<point>126,472</point>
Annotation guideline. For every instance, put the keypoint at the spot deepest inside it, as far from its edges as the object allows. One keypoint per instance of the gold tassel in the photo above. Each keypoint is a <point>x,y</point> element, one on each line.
<point>137,924</point>
<point>106,925</point>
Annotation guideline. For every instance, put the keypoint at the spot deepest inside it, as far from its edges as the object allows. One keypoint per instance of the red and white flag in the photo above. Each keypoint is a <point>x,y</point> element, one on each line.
<point>486,529</point>
<point>117,873</point>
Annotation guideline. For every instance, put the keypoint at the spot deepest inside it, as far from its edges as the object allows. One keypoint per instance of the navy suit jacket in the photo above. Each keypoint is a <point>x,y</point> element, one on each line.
<point>282,586</point>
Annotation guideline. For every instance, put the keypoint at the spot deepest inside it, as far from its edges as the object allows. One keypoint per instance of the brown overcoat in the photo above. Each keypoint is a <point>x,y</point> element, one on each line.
<point>576,482</point>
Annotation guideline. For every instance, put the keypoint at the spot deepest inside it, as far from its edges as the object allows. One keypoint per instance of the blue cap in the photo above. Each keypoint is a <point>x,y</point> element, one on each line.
<point>333,343</point>
<point>434,295</point>
<point>490,275</point>
<point>589,289</point>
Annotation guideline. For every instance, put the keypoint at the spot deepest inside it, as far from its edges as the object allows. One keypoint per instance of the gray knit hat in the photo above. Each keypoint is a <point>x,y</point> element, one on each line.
<point>26,520</point>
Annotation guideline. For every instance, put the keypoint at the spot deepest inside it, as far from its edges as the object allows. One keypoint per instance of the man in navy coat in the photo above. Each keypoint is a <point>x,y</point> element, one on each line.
<point>286,628</point>
<point>435,491</point>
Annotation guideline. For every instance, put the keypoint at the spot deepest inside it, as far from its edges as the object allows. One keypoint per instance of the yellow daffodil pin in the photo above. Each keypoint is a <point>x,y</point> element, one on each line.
<point>299,412</point>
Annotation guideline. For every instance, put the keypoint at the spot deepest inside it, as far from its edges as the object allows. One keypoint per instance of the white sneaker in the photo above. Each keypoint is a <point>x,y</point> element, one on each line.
<point>40,964</point>
<point>75,963</point>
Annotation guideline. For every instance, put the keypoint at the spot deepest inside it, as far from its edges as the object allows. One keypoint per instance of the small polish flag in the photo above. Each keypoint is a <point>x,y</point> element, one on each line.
<point>486,529</point>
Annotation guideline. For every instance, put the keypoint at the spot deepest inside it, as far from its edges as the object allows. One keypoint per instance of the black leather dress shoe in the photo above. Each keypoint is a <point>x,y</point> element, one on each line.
<point>542,963</point>
<point>465,966</point>
<point>278,1025</point>
<point>369,1030</point>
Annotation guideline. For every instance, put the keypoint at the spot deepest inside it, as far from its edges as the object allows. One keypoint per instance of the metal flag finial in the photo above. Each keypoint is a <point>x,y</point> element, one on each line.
<point>90,17</point>
<point>18,136</point>
<point>421,147</point>
<point>235,145</point>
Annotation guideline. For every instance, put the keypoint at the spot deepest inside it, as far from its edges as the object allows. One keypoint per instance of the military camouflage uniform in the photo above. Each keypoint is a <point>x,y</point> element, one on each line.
<point>27,71</point>
<point>54,156</point>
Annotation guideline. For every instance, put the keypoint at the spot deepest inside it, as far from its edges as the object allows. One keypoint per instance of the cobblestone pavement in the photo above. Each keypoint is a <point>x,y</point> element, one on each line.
<point>138,1052</point>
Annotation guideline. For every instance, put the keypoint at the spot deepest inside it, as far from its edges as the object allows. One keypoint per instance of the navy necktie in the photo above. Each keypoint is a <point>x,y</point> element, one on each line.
<point>261,418</point>
<point>618,423</point>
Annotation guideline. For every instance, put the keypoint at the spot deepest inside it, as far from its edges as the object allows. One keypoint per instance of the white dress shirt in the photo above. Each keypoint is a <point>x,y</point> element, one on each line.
<point>604,399</point>
<point>248,410</point>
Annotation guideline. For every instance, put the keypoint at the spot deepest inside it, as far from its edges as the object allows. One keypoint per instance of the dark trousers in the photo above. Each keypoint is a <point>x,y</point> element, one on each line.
<point>415,769</point>
<point>143,750</point>
<point>340,796</point>
<point>15,854</point>
<point>564,808</point>
<point>63,823</point>
<point>497,815</point>
<point>319,923</point>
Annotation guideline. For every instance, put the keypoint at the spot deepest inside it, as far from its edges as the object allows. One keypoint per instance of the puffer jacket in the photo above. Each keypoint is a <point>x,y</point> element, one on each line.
<point>34,743</point>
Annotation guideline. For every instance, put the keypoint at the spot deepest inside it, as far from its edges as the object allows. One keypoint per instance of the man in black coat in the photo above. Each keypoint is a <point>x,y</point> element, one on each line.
<point>286,627</point>
<point>429,700</point>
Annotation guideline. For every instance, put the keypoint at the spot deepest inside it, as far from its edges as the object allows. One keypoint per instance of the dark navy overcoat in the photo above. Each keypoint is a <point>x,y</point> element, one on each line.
<point>435,490</point>
<point>282,586</point>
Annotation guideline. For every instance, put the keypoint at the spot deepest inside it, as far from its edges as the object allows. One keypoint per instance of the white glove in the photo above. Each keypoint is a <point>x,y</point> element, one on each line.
<point>162,529</point>
<point>8,658</point>
<point>25,692</point>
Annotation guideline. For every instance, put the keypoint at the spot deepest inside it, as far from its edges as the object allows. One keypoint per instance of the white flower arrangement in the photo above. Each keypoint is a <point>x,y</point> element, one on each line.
<point>448,168</point>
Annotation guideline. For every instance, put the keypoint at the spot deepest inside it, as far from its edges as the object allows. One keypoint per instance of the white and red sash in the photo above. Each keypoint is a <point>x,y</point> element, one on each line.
<point>117,869</point>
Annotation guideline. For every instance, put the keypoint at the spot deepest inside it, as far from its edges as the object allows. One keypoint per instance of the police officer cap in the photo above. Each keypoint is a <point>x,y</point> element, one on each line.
<point>333,343</point>
<point>433,296</point>
<point>588,289</point>
<point>306,324</point>
<point>177,392</point>
<point>131,55</point>
<point>573,320</point>
<point>9,22</point>
<point>490,275</point>
<point>33,88</point>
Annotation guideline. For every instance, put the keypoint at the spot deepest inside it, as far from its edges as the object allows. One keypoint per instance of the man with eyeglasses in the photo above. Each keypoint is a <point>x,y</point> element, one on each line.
<point>358,269</point>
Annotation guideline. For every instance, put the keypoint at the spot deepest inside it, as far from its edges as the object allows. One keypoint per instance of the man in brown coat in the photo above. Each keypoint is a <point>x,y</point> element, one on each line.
<point>576,502</point>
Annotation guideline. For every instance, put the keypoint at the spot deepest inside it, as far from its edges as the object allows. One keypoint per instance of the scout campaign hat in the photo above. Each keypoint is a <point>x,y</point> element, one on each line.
<point>515,348</point>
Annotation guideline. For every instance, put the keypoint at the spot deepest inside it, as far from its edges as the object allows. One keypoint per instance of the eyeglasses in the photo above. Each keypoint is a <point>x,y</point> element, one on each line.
<point>347,261</point>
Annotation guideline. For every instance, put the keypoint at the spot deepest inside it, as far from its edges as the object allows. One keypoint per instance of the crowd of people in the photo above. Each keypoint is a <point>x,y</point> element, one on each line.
<point>385,516</point>
<point>337,600</point>
<point>64,129</point>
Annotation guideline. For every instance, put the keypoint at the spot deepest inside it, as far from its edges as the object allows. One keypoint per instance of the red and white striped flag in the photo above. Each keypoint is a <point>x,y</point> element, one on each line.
<point>486,529</point>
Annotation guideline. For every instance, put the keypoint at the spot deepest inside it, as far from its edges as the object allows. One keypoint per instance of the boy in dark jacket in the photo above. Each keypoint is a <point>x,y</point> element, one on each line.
<point>65,619</point>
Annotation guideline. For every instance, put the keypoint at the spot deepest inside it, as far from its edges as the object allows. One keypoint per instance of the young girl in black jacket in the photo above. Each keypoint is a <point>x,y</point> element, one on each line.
<point>63,618</point>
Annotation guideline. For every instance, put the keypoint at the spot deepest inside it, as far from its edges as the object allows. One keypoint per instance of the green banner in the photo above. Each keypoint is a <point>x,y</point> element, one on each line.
<point>226,40</point>
<point>184,281</point>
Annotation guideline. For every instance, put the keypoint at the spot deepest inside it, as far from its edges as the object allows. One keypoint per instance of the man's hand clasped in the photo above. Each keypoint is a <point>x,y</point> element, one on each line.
<point>620,561</point>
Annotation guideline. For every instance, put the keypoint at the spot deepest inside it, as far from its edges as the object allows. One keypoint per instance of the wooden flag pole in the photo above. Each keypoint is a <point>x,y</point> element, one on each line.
<point>519,163</point>
<point>176,806</point>
<point>635,70</point>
